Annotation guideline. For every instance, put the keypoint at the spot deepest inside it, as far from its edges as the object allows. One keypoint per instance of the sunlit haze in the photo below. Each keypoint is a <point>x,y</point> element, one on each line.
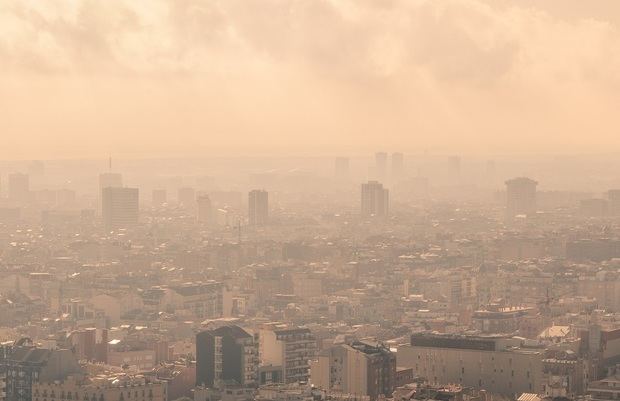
<point>309,200</point>
<point>237,77</point>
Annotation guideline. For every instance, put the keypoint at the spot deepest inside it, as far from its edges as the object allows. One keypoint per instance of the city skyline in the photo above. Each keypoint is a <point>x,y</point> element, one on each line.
<point>309,200</point>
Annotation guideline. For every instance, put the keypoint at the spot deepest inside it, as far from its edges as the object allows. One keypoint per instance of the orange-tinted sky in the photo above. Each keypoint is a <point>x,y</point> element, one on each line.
<point>85,78</point>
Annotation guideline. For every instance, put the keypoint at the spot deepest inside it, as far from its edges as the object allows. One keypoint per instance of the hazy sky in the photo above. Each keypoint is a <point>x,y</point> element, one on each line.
<point>84,78</point>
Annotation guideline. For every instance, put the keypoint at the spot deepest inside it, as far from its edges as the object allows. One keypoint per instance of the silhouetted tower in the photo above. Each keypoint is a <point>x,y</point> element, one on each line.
<point>520,196</point>
<point>120,207</point>
<point>258,207</point>
<point>375,199</point>
<point>205,209</point>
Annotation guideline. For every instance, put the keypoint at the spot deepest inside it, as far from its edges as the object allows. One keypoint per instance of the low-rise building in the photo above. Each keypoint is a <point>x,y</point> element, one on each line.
<point>495,363</point>
<point>104,387</point>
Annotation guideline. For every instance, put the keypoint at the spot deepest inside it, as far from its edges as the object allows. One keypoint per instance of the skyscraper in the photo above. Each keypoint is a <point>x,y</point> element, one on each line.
<point>381,165</point>
<point>341,167</point>
<point>258,207</point>
<point>398,165</point>
<point>204,209</point>
<point>520,196</point>
<point>120,207</point>
<point>226,354</point>
<point>375,199</point>
<point>19,187</point>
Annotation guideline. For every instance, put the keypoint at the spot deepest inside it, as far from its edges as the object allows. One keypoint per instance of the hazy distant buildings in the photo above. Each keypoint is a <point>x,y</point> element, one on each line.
<point>258,207</point>
<point>398,165</point>
<point>613,196</point>
<point>593,207</point>
<point>186,197</point>
<point>228,354</point>
<point>110,180</point>
<point>491,167</point>
<point>205,209</point>
<point>159,197</point>
<point>454,165</point>
<point>520,196</point>
<point>375,199</point>
<point>19,187</point>
<point>381,165</point>
<point>36,168</point>
<point>120,207</point>
<point>341,167</point>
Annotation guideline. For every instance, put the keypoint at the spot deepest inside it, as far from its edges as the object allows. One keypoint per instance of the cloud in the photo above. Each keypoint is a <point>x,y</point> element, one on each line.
<point>468,41</point>
<point>507,73</point>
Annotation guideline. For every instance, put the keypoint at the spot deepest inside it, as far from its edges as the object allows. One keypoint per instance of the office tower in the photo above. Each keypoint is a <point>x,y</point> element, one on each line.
<point>110,180</point>
<point>398,165</point>
<point>258,207</point>
<point>375,199</point>
<point>613,196</point>
<point>159,197</point>
<point>361,368</point>
<point>381,165</point>
<point>520,196</point>
<point>120,207</point>
<point>341,167</point>
<point>19,187</point>
<point>288,349</point>
<point>187,197</point>
<point>228,354</point>
<point>205,209</point>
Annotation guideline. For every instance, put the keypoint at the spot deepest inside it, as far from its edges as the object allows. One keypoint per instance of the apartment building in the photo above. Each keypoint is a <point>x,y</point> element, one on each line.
<point>226,354</point>
<point>360,368</point>
<point>289,349</point>
<point>122,387</point>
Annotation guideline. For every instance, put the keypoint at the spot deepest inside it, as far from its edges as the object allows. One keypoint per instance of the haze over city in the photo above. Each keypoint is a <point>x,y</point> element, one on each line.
<point>309,200</point>
<point>163,78</point>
